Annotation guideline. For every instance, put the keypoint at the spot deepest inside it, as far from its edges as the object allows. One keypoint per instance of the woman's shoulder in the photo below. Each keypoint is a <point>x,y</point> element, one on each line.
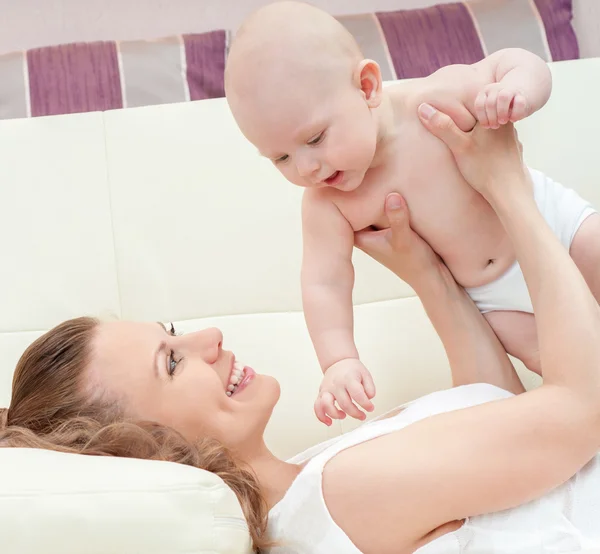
<point>330,467</point>
<point>377,472</point>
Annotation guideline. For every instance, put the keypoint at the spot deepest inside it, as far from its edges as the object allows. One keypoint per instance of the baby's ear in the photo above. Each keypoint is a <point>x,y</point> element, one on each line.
<point>368,78</point>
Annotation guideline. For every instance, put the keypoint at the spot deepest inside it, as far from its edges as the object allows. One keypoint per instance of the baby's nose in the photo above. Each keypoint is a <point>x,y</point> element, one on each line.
<point>307,166</point>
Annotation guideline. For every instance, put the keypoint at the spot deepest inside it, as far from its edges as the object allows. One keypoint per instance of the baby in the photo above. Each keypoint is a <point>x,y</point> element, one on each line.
<point>303,94</point>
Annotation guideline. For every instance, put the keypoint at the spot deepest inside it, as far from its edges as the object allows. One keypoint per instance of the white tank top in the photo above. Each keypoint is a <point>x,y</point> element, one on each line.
<point>565,520</point>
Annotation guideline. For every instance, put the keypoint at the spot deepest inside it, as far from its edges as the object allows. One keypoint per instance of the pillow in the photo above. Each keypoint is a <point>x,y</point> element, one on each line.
<point>97,76</point>
<point>415,43</point>
<point>55,503</point>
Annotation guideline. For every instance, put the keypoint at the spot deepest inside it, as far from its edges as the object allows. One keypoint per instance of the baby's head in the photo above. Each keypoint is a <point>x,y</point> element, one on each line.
<point>303,94</point>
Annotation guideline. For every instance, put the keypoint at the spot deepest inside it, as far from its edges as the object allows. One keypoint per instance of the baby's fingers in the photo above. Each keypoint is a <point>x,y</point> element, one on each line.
<point>519,110</point>
<point>480,112</point>
<point>345,403</point>
<point>505,98</point>
<point>359,395</point>
<point>326,410</point>
<point>321,413</point>
<point>491,108</point>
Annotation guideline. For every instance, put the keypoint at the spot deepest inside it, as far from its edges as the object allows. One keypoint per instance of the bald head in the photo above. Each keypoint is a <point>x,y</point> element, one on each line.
<point>285,40</point>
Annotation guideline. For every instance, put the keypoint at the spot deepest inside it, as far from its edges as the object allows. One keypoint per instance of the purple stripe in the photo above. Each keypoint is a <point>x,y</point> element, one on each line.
<point>557,16</point>
<point>205,57</point>
<point>74,78</point>
<point>422,41</point>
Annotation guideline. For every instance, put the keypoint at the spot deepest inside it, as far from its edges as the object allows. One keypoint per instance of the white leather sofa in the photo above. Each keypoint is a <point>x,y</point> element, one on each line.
<point>166,213</point>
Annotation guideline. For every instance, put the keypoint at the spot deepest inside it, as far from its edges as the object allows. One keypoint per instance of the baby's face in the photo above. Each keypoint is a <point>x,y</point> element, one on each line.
<point>318,134</point>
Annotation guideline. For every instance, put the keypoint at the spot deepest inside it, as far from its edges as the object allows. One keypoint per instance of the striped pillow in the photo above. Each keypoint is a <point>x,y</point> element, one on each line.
<point>95,76</point>
<point>415,43</point>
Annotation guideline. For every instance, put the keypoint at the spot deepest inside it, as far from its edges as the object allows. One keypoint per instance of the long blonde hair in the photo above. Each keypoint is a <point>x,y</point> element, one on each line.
<point>49,409</point>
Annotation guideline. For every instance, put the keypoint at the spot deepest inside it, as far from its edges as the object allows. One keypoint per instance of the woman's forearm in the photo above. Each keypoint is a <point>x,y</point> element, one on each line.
<point>473,350</point>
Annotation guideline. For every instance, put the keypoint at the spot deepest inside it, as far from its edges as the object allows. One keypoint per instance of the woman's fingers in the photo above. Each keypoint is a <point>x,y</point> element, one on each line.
<point>396,211</point>
<point>443,127</point>
<point>371,241</point>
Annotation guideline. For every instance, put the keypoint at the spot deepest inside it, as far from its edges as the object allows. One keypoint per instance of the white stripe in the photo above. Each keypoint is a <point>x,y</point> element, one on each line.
<point>477,29</point>
<point>385,46</point>
<point>121,74</point>
<point>183,60</point>
<point>27,84</point>
<point>540,21</point>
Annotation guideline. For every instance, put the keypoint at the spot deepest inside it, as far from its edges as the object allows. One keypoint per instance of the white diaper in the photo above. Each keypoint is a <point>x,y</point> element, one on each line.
<point>564,211</point>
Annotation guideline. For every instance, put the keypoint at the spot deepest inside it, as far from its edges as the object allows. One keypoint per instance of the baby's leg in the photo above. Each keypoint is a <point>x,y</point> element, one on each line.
<point>585,251</point>
<point>518,334</point>
<point>516,330</point>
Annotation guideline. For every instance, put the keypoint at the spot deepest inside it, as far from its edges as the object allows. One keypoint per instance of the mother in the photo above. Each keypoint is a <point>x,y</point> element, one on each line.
<point>421,479</point>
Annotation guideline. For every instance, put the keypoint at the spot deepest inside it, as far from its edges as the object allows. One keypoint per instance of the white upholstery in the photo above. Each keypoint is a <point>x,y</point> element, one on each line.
<point>166,213</point>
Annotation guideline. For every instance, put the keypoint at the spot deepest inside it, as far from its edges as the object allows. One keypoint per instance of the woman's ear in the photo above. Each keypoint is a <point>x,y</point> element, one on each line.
<point>367,78</point>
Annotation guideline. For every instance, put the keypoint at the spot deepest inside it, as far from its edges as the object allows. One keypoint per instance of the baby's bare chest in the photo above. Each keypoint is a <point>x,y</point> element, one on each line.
<point>421,169</point>
<point>452,217</point>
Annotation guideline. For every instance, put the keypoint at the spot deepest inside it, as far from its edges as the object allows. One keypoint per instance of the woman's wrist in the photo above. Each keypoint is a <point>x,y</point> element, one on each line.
<point>433,281</point>
<point>506,188</point>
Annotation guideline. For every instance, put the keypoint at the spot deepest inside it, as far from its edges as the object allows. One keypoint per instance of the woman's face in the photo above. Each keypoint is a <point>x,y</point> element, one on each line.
<point>182,382</point>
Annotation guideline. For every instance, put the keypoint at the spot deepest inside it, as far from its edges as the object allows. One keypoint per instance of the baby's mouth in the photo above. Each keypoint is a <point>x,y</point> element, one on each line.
<point>235,378</point>
<point>334,178</point>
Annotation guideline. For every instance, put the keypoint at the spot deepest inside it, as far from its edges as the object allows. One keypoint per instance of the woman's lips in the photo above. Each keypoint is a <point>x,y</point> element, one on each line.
<point>249,375</point>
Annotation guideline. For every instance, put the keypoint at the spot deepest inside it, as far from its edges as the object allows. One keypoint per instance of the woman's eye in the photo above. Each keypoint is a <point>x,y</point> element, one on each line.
<point>172,364</point>
<point>173,332</point>
<point>317,139</point>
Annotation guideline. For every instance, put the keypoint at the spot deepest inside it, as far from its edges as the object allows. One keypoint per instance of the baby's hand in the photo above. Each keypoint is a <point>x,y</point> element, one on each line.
<point>344,383</point>
<point>498,104</point>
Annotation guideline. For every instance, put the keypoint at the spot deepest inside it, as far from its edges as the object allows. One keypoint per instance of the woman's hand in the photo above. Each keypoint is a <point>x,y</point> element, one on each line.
<point>399,248</point>
<point>489,159</point>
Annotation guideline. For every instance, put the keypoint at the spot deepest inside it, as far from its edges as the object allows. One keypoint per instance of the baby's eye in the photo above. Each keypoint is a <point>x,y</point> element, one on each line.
<point>281,159</point>
<point>316,140</point>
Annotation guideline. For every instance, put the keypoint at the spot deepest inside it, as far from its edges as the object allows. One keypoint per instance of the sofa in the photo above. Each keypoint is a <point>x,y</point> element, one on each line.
<point>166,213</point>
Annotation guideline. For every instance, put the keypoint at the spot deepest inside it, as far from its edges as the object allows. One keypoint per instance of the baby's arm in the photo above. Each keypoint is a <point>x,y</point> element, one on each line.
<point>507,86</point>
<point>327,279</point>
<point>327,283</point>
<point>519,84</point>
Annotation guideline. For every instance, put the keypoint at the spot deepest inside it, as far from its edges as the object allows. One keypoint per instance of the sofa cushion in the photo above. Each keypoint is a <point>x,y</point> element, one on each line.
<point>415,43</point>
<point>85,77</point>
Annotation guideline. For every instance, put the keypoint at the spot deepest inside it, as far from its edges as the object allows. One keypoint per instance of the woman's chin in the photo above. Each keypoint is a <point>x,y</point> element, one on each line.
<point>272,388</point>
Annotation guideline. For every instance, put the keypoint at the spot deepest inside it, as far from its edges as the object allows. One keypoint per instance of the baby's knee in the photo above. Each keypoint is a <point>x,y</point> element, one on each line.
<point>531,361</point>
<point>517,333</point>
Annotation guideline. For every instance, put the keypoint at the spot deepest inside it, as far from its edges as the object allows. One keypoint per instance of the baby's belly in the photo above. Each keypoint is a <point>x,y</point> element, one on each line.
<point>477,268</point>
<point>477,250</point>
<point>475,254</point>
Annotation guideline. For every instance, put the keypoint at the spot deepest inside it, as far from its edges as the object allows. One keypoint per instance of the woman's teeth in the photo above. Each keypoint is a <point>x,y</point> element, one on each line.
<point>236,378</point>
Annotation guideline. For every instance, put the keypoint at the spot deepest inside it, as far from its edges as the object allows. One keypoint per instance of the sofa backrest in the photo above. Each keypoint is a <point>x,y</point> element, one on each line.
<point>166,213</point>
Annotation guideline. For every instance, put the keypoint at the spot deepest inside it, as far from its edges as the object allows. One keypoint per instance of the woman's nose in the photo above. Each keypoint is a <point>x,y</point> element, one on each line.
<point>208,343</point>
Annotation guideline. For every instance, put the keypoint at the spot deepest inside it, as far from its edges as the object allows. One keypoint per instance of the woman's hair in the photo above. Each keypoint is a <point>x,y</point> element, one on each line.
<point>51,409</point>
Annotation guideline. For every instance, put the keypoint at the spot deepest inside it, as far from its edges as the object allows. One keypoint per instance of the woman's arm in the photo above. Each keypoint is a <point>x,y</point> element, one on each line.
<point>390,493</point>
<point>474,352</point>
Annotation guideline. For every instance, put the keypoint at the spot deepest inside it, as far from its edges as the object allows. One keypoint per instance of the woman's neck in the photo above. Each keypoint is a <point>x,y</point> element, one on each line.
<point>274,475</point>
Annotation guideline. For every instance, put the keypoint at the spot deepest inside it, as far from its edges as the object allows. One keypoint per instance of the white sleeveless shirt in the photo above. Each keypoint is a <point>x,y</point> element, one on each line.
<point>565,520</point>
